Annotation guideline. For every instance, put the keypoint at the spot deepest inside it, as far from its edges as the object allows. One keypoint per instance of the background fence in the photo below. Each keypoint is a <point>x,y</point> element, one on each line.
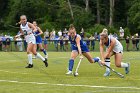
<point>53,46</point>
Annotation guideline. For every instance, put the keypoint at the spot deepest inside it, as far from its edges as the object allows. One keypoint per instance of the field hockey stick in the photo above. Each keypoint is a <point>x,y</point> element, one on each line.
<point>76,71</point>
<point>119,74</point>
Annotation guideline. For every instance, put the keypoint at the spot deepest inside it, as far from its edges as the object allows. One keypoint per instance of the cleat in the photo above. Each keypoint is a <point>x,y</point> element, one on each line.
<point>69,73</point>
<point>107,73</point>
<point>97,59</point>
<point>45,62</point>
<point>127,68</point>
<point>29,66</point>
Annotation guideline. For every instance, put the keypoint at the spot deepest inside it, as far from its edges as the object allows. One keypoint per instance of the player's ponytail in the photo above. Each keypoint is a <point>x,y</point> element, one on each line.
<point>104,33</point>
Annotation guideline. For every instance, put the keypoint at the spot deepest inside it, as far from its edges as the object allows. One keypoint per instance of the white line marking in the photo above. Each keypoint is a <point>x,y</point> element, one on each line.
<point>70,85</point>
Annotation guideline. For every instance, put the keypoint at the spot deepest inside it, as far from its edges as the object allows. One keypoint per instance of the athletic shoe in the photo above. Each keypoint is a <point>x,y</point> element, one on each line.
<point>127,68</point>
<point>97,59</point>
<point>29,66</point>
<point>45,62</point>
<point>107,73</point>
<point>69,73</point>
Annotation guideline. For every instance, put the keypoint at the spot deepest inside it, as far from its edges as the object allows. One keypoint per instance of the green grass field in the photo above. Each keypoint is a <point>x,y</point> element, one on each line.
<point>15,78</point>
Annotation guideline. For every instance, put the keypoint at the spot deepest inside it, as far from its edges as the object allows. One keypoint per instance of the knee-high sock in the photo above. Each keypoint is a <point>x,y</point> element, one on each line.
<point>107,62</point>
<point>30,59</point>
<point>123,65</point>
<point>39,56</point>
<point>71,63</point>
<point>44,51</point>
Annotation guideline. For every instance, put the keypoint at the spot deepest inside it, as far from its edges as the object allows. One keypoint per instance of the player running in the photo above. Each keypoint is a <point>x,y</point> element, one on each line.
<point>38,32</point>
<point>78,48</point>
<point>27,29</point>
<point>115,48</point>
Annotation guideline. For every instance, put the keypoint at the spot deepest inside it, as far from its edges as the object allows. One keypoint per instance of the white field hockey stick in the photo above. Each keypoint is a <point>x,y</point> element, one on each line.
<point>76,71</point>
<point>119,74</point>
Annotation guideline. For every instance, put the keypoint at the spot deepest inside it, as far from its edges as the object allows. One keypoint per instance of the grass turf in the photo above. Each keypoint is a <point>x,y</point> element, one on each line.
<point>15,78</point>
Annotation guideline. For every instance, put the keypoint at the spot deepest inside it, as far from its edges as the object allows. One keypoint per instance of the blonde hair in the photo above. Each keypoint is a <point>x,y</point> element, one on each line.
<point>104,33</point>
<point>23,16</point>
<point>71,27</point>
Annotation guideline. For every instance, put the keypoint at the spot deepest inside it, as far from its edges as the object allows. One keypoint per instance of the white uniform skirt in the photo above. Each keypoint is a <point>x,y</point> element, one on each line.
<point>30,39</point>
<point>118,48</point>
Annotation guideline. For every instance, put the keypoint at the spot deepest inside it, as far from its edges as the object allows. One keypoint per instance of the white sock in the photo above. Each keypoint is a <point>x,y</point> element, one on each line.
<point>107,62</point>
<point>123,65</point>
<point>39,56</point>
<point>30,58</point>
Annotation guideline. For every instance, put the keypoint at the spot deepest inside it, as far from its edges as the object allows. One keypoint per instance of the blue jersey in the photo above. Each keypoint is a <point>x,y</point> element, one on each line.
<point>38,38</point>
<point>83,45</point>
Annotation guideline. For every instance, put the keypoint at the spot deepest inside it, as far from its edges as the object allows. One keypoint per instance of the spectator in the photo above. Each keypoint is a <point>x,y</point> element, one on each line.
<point>65,32</point>
<point>61,43</point>
<point>8,42</point>
<point>133,42</point>
<point>110,35</point>
<point>121,32</point>
<point>15,41</point>
<point>87,42</point>
<point>56,41</point>
<point>53,34</point>
<point>59,33</point>
<point>0,44</point>
<point>82,33</point>
<point>127,43</point>
<point>96,35</point>
<point>66,42</point>
<point>92,39</point>
<point>137,41</point>
<point>19,44</point>
<point>115,35</point>
<point>46,38</point>
<point>4,43</point>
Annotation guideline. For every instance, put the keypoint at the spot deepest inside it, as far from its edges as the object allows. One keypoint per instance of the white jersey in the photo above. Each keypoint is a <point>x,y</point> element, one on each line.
<point>118,48</point>
<point>29,36</point>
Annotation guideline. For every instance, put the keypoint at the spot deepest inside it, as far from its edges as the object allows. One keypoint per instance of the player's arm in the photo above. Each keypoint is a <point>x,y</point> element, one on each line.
<point>32,27</point>
<point>40,31</point>
<point>21,33</point>
<point>102,50</point>
<point>78,45</point>
<point>112,44</point>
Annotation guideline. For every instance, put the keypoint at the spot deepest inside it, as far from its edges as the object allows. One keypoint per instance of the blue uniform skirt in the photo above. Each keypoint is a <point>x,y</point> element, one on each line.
<point>84,48</point>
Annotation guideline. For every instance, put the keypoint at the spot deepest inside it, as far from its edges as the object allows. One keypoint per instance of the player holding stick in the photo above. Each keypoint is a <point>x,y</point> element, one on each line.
<point>115,48</point>
<point>27,29</point>
<point>78,48</point>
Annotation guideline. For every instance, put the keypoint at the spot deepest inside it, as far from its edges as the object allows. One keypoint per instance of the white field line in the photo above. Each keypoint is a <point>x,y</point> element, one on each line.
<point>70,85</point>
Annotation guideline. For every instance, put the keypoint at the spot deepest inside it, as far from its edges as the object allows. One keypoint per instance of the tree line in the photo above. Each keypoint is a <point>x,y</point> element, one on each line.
<point>92,15</point>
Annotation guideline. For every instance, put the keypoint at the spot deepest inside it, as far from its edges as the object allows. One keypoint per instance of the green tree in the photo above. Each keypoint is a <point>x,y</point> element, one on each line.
<point>134,17</point>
